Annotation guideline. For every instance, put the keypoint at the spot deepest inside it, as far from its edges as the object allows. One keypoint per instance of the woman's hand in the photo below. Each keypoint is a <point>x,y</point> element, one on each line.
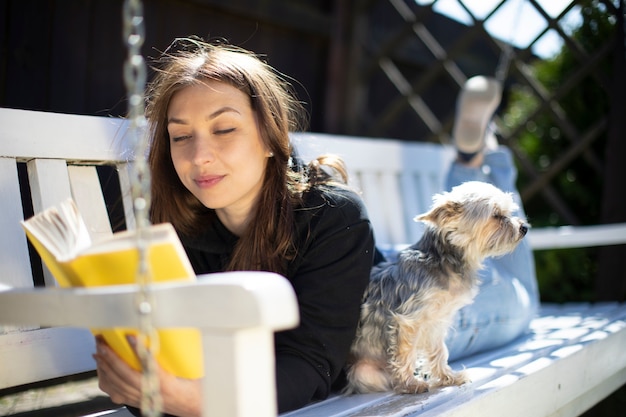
<point>181,397</point>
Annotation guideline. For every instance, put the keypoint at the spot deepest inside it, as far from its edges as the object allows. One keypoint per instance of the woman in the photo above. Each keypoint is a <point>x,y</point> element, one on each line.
<point>224,174</point>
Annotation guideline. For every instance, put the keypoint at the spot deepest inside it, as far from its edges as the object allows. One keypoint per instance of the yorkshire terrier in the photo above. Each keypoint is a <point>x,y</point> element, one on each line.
<point>409,304</point>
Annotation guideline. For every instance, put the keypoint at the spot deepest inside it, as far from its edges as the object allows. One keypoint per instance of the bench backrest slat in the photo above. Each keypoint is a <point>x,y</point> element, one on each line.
<point>31,134</point>
<point>16,271</point>
<point>87,194</point>
<point>396,179</point>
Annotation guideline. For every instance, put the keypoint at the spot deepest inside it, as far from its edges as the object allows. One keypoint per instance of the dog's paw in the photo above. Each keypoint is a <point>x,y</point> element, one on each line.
<point>451,378</point>
<point>411,386</point>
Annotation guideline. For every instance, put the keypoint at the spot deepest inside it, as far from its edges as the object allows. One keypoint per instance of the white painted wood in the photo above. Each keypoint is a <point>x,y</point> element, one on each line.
<point>88,196</point>
<point>14,260</point>
<point>368,161</point>
<point>377,203</point>
<point>577,236</point>
<point>35,137</point>
<point>552,384</point>
<point>424,171</point>
<point>49,185</point>
<point>125,174</point>
<point>260,298</point>
<point>49,182</point>
<point>39,355</point>
<point>398,179</point>
<point>31,134</point>
<point>237,313</point>
<point>239,379</point>
<point>554,371</point>
<point>389,193</point>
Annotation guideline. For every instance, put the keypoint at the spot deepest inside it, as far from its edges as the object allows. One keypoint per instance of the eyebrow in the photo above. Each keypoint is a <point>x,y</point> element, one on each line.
<point>175,120</point>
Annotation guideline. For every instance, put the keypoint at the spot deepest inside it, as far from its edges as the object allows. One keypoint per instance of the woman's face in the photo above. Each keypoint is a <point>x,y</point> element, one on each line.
<point>217,150</point>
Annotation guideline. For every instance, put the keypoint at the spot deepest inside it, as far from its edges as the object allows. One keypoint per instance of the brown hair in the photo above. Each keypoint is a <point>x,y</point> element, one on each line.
<point>268,242</point>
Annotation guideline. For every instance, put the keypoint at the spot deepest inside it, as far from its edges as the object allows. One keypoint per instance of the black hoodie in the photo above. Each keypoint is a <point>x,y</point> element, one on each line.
<point>335,245</point>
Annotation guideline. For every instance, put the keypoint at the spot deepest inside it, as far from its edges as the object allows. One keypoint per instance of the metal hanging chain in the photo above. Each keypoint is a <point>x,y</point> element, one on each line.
<point>135,74</point>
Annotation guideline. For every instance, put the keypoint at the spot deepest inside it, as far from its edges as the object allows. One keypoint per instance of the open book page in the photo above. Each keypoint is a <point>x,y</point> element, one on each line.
<point>61,229</point>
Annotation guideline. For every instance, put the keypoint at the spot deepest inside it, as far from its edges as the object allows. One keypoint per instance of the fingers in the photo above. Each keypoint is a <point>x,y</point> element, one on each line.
<point>116,377</point>
<point>123,384</point>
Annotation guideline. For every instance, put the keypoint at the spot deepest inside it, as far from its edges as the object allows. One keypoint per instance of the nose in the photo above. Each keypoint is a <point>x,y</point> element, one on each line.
<point>203,152</point>
<point>523,229</point>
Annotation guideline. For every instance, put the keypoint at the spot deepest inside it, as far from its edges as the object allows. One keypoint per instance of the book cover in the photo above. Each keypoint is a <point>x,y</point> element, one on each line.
<point>61,238</point>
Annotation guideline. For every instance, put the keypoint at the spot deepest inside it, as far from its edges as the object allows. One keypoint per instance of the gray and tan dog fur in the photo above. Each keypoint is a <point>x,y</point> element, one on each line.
<point>409,304</point>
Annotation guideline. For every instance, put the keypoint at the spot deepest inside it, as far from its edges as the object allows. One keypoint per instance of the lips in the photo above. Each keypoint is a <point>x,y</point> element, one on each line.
<point>208,181</point>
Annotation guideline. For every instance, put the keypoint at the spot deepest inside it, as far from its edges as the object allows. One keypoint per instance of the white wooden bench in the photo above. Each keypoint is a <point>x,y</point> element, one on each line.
<point>234,311</point>
<point>574,355</point>
<point>572,359</point>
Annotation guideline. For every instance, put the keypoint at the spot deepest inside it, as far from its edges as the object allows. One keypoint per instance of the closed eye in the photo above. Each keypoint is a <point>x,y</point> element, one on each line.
<point>224,131</point>
<point>180,138</point>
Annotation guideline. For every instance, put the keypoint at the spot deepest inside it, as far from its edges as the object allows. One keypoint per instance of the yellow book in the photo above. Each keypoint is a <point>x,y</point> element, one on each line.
<point>61,238</point>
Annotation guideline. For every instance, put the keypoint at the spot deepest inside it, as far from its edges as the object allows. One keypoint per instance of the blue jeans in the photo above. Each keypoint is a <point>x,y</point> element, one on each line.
<point>508,296</point>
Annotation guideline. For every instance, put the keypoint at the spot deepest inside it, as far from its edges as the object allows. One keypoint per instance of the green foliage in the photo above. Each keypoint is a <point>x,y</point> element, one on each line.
<point>544,139</point>
<point>578,265</point>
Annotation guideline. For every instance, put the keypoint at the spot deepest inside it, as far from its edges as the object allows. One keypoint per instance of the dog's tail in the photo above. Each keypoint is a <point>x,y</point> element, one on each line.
<point>367,376</point>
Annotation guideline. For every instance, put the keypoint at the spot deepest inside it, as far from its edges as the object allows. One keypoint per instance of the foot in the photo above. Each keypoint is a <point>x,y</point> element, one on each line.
<point>479,98</point>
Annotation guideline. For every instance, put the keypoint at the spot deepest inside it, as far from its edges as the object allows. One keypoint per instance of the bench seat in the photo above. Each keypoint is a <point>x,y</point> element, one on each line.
<point>539,374</point>
<point>573,356</point>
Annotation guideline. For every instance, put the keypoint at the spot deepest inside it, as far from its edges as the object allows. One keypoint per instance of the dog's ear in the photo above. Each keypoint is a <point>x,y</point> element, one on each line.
<point>441,212</point>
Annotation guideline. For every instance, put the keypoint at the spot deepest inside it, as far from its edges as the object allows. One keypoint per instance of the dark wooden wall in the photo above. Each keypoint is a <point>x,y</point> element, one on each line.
<point>67,55</point>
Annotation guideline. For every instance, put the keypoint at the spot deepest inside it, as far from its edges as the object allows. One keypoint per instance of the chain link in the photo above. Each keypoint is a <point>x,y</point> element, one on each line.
<point>135,74</point>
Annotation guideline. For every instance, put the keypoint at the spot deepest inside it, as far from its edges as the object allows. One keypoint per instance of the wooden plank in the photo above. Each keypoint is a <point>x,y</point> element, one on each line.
<point>377,164</point>
<point>397,179</point>
<point>124,174</point>
<point>114,306</point>
<point>38,355</point>
<point>549,385</point>
<point>425,166</point>
<point>14,256</point>
<point>390,195</point>
<point>375,205</point>
<point>360,154</point>
<point>549,367</point>
<point>49,184</point>
<point>577,236</point>
<point>88,196</point>
<point>29,134</point>
<point>16,271</point>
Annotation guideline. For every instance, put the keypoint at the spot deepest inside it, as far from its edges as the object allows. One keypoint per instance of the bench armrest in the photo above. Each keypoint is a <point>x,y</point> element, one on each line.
<point>577,236</point>
<point>237,314</point>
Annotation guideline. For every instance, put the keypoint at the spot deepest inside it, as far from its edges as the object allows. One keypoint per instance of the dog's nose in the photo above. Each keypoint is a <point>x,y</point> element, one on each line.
<point>523,229</point>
